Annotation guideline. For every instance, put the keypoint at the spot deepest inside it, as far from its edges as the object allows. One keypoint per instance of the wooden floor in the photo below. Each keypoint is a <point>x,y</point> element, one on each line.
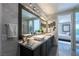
<point>64,49</point>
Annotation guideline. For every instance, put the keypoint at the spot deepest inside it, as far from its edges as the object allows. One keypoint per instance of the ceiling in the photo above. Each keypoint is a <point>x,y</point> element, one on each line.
<point>48,9</point>
<point>27,14</point>
<point>51,8</point>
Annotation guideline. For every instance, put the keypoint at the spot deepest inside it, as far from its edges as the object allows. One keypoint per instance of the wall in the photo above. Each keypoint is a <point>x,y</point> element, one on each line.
<point>56,31</point>
<point>9,15</point>
<point>60,28</point>
<point>0,25</point>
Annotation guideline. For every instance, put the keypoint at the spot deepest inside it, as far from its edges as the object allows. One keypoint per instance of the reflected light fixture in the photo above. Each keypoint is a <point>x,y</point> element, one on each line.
<point>43,18</point>
<point>30,4</point>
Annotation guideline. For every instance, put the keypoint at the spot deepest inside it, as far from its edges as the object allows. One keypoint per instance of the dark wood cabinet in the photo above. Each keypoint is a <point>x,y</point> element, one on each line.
<point>42,50</point>
<point>25,51</point>
<point>48,47</point>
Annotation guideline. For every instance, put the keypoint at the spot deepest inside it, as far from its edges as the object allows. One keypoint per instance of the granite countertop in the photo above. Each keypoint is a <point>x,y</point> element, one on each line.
<point>36,40</point>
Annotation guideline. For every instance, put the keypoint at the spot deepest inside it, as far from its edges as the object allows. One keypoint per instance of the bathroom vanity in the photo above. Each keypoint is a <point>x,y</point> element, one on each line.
<point>39,45</point>
<point>34,40</point>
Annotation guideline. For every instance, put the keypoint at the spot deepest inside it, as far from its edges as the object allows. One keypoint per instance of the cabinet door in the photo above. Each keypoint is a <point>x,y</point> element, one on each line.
<point>43,49</point>
<point>25,51</point>
<point>36,52</point>
<point>48,43</point>
<point>52,41</point>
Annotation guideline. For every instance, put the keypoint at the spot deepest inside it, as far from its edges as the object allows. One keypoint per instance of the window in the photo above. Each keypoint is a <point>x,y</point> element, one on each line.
<point>36,25</point>
<point>30,26</point>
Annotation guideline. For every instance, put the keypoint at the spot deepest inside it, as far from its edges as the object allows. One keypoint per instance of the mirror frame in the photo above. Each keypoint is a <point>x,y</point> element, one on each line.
<point>20,7</point>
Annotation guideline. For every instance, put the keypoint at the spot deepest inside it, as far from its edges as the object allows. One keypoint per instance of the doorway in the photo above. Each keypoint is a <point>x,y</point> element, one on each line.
<point>64,34</point>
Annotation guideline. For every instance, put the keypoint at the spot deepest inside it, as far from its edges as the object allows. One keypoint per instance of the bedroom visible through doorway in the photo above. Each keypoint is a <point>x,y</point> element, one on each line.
<point>64,36</point>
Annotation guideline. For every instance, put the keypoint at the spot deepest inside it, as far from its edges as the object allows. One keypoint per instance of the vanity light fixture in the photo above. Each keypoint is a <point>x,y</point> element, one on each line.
<point>30,4</point>
<point>43,18</point>
<point>34,9</point>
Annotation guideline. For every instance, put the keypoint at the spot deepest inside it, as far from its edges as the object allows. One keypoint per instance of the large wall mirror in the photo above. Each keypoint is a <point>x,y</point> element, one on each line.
<point>28,22</point>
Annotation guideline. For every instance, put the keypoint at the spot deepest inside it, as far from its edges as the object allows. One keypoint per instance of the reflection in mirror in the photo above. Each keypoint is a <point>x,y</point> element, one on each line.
<point>30,23</point>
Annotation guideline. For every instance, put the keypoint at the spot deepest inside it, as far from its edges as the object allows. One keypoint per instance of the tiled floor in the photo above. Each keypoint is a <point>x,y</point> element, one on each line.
<point>64,49</point>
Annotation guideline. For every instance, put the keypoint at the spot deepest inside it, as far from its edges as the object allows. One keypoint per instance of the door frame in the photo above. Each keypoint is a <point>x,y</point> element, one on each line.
<point>73,31</point>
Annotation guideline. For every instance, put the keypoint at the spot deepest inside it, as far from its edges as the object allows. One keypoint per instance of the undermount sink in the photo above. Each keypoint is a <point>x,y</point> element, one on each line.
<point>39,37</point>
<point>30,43</point>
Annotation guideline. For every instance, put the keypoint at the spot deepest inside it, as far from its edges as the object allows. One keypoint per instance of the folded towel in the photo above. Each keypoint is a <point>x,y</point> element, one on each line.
<point>12,30</point>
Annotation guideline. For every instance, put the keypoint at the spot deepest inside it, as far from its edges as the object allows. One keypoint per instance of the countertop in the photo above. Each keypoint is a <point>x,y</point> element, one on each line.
<point>35,43</point>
